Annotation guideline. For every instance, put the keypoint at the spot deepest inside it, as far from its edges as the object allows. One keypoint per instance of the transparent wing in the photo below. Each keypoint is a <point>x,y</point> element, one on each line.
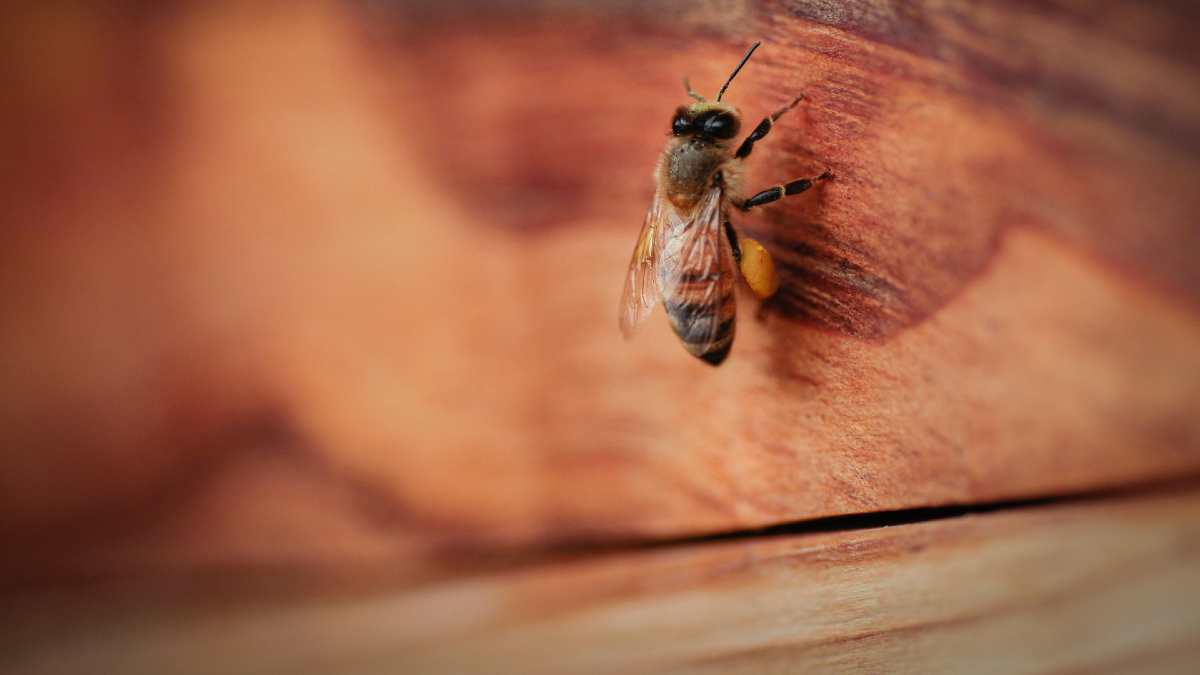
<point>641,284</point>
<point>700,280</point>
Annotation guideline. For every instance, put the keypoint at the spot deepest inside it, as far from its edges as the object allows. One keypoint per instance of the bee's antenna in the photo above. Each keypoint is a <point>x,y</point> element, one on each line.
<point>691,93</point>
<point>735,70</point>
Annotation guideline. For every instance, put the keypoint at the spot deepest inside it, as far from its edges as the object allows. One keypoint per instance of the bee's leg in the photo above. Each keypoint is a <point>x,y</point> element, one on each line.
<point>733,241</point>
<point>755,263</point>
<point>763,127</point>
<point>758,269</point>
<point>779,191</point>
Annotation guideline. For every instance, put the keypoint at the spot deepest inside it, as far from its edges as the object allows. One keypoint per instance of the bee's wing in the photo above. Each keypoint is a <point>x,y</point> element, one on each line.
<point>641,284</point>
<point>700,281</point>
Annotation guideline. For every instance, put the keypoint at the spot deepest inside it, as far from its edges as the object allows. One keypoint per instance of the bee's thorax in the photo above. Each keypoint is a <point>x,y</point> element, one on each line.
<point>690,166</point>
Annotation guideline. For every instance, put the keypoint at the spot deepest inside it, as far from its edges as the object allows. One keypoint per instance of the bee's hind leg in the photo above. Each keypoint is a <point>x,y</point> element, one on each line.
<point>779,191</point>
<point>755,263</point>
<point>733,241</point>
<point>758,269</point>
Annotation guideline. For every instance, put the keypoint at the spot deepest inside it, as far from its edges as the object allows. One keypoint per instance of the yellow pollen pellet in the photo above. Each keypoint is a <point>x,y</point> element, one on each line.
<point>758,269</point>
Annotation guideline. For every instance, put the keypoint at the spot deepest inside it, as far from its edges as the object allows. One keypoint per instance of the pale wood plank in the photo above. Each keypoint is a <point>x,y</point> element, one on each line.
<point>1098,586</point>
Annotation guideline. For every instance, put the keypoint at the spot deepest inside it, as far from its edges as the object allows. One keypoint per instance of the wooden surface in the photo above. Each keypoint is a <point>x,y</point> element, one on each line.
<point>309,359</point>
<point>291,287</point>
<point>1102,586</point>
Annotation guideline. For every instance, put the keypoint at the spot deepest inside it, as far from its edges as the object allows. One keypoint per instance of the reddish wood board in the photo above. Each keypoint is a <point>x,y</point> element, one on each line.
<point>281,291</point>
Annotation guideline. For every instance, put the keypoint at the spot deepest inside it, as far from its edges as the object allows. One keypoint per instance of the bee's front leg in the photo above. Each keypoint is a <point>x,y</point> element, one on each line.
<point>764,127</point>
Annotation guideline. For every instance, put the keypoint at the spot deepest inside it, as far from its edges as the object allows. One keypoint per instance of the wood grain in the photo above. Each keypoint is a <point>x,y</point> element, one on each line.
<point>1104,586</point>
<point>288,291</point>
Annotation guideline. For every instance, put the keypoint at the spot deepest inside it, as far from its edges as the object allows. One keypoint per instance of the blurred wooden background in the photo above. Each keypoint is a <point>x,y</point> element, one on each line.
<point>316,298</point>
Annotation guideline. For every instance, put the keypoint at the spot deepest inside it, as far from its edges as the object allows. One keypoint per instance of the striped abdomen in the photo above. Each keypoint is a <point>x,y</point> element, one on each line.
<point>696,276</point>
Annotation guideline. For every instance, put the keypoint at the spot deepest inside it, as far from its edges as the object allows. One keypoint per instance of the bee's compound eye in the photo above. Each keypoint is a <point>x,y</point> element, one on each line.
<point>722,126</point>
<point>681,125</point>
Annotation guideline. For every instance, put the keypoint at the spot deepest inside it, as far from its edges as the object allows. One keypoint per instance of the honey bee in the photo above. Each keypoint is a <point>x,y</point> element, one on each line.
<point>687,250</point>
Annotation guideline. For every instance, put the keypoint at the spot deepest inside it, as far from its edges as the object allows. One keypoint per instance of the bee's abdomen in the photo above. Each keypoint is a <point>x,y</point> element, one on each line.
<point>696,274</point>
<point>703,314</point>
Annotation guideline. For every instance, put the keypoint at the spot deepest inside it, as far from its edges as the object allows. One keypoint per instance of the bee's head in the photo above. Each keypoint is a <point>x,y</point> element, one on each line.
<point>710,118</point>
<point>707,118</point>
